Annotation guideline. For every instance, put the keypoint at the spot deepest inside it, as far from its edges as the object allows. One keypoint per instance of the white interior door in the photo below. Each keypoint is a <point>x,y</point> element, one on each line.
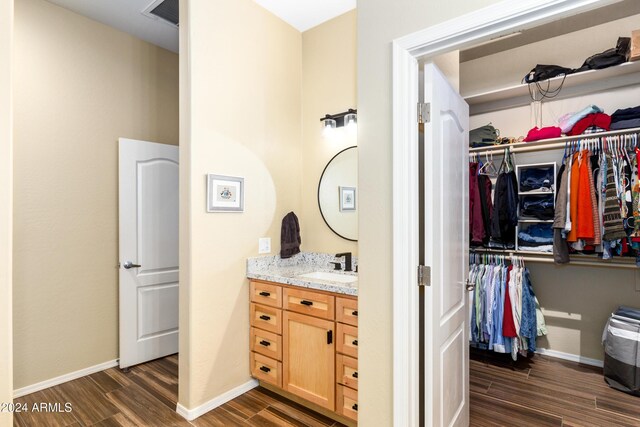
<point>148,251</point>
<point>446,223</point>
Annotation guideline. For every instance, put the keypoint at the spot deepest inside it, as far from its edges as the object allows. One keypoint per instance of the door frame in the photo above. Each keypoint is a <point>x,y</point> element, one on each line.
<point>464,31</point>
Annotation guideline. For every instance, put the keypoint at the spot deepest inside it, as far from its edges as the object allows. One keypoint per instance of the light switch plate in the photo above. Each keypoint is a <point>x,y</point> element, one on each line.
<point>264,245</point>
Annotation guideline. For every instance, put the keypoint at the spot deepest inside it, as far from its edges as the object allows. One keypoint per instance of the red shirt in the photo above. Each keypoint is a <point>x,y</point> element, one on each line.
<point>508,327</point>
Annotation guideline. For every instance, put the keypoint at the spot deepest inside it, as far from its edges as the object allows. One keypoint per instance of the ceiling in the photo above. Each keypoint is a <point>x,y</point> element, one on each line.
<point>306,14</point>
<point>125,15</point>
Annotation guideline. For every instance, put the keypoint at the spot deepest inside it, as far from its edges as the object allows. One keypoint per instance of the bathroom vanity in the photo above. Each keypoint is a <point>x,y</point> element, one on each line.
<point>304,331</point>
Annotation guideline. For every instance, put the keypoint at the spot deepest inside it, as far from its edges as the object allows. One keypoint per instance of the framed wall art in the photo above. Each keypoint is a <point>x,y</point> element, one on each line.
<point>225,193</point>
<point>347,198</point>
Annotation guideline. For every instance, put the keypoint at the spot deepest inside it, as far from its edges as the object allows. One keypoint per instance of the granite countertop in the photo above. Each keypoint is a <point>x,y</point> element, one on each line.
<point>287,271</point>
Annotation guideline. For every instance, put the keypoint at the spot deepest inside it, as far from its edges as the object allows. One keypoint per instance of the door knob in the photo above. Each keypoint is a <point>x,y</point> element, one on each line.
<point>129,265</point>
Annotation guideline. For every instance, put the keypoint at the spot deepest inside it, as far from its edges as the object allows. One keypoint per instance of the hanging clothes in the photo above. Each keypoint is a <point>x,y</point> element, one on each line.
<point>476,223</point>
<point>505,211</point>
<point>505,316</point>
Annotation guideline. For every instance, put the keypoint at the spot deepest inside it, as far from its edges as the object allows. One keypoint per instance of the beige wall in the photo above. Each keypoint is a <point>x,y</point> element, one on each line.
<point>328,87</point>
<point>79,85</point>
<point>379,22</point>
<point>6,214</point>
<point>244,92</point>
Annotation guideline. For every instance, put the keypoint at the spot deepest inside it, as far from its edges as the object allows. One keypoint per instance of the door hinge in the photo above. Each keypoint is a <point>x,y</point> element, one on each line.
<point>424,112</point>
<point>424,275</point>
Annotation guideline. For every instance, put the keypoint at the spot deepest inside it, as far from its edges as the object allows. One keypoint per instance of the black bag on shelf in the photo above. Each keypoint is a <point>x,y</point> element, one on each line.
<point>544,72</point>
<point>610,57</point>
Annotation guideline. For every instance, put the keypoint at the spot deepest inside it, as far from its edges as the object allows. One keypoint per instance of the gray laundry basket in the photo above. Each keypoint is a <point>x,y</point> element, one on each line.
<point>621,340</point>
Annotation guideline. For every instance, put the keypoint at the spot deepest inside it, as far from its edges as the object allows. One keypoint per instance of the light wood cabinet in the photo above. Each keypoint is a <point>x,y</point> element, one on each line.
<point>347,402</point>
<point>347,340</point>
<point>305,343</point>
<point>309,303</point>
<point>347,311</point>
<point>266,318</point>
<point>308,358</point>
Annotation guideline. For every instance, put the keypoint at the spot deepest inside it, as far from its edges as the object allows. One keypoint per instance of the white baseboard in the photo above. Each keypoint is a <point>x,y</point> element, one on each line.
<point>64,378</point>
<point>192,414</point>
<point>571,357</point>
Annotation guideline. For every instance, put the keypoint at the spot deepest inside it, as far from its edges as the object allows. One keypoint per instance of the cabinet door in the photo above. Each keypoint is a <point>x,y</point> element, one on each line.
<point>308,359</point>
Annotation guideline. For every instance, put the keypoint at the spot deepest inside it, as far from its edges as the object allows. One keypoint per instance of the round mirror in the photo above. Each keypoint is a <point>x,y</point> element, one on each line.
<point>338,194</point>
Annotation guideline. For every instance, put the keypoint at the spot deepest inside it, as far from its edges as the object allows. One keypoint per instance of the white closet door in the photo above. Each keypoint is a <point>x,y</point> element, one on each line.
<point>446,229</point>
<point>148,251</point>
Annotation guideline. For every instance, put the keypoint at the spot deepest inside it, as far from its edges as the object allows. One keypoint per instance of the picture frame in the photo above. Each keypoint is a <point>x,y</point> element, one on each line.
<point>225,193</point>
<point>347,199</point>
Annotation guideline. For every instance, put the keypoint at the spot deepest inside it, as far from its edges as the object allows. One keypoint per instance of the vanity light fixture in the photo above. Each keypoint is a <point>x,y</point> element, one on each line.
<point>347,118</point>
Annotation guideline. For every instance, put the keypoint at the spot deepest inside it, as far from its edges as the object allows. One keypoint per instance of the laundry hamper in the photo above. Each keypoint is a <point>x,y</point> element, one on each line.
<point>621,340</point>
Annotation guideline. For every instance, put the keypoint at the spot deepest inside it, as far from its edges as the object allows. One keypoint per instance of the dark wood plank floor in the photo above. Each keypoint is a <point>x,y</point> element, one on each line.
<point>540,391</point>
<point>147,396</point>
<point>544,391</point>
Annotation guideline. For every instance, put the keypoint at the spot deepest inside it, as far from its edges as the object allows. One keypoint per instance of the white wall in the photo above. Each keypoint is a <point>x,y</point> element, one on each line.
<point>6,209</point>
<point>379,22</point>
<point>240,116</point>
<point>78,86</point>
<point>328,87</point>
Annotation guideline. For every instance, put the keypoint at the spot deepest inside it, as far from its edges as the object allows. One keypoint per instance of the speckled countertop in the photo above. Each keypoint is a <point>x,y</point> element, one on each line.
<point>287,271</point>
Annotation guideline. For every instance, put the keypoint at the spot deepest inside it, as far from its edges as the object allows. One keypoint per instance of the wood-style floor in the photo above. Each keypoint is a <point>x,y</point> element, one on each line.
<point>544,391</point>
<point>147,396</point>
<point>540,391</point>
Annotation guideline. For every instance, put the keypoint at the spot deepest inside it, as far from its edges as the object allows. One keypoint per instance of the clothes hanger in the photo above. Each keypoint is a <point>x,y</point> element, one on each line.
<point>488,168</point>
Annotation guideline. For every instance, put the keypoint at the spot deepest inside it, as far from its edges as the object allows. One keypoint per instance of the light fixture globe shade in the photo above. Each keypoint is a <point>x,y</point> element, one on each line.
<point>351,120</point>
<point>328,126</point>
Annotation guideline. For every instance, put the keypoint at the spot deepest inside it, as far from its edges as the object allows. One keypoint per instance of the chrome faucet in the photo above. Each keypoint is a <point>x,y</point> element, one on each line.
<point>348,266</point>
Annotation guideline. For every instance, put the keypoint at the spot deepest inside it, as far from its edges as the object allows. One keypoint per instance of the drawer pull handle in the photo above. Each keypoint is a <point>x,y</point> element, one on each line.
<point>265,317</point>
<point>329,337</point>
<point>355,407</point>
<point>355,342</point>
<point>307,303</point>
<point>265,369</point>
<point>354,313</point>
<point>355,374</point>
<point>265,343</point>
<point>265,294</point>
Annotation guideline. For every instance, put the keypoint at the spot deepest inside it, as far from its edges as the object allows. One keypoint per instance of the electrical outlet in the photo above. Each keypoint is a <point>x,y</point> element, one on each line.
<point>264,245</point>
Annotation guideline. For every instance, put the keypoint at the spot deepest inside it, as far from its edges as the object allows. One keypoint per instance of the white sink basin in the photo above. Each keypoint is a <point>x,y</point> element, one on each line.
<point>330,277</point>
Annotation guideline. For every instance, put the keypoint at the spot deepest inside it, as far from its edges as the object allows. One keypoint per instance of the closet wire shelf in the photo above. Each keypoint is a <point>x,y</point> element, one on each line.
<point>554,144</point>
<point>576,259</point>
<point>549,144</point>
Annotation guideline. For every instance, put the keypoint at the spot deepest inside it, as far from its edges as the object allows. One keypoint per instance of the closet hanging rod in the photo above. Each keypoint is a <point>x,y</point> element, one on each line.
<point>548,144</point>
<point>548,259</point>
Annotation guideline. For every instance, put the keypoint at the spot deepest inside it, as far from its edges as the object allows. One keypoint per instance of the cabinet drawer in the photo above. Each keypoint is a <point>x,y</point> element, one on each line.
<point>347,311</point>
<point>347,371</point>
<point>266,318</point>
<point>347,402</point>
<point>309,303</point>
<point>266,294</point>
<point>266,343</point>
<point>266,369</point>
<point>347,340</point>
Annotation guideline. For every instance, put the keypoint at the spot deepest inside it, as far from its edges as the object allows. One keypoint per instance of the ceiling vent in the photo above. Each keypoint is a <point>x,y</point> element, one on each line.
<point>166,10</point>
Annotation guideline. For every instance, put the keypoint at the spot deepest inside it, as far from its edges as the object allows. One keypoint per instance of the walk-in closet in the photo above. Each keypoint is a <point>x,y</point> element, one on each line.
<point>555,219</point>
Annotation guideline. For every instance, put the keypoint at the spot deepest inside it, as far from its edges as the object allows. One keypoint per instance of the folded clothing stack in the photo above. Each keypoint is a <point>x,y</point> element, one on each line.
<point>536,179</point>
<point>483,136</point>
<point>537,207</point>
<point>593,122</point>
<point>626,118</point>
<point>569,120</point>
<point>536,237</point>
